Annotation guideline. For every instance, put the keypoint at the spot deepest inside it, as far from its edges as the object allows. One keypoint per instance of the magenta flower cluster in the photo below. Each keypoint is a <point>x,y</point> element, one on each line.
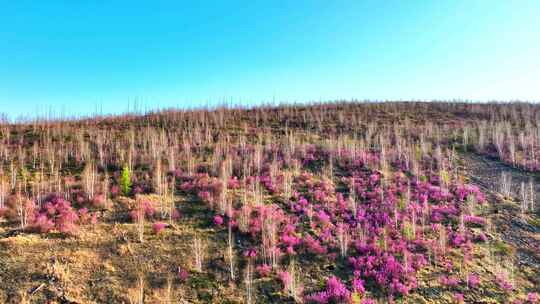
<point>57,214</point>
<point>381,227</point>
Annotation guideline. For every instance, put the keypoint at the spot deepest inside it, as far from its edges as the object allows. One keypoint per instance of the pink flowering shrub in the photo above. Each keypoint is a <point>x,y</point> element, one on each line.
<point>87,217</point>
<point>473,280</point>
<point>58,214</point>
<point>458,298</point>
<point>17,204</point>
<point>381,233</point>
<point>504,284</point>
<point>533,297</point>
<point>182,274</point>
<point>158,227</point>
<point>335,292</point>
<point>264,270</point>
<point>285,278</point>
<point>474,220</point>
<point>145,208</point>
<point>449,281</point>
<point>176,215</point>
<point>218,220</point>
<point>314,246</point>
<point>115,190</point>
<point>98,201</point>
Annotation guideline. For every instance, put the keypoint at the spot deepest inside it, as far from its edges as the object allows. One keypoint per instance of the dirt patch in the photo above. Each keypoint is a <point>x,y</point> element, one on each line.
<point>520,230</point>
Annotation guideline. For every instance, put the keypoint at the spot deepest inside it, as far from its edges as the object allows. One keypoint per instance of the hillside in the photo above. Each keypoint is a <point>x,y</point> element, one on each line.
<point>343,202</point>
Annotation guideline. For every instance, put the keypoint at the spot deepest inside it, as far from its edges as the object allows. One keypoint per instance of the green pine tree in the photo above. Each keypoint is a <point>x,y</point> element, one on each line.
<point>125,181</point>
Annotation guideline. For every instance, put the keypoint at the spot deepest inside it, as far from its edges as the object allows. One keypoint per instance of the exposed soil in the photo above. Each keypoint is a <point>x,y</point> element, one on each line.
<point>519,230</point>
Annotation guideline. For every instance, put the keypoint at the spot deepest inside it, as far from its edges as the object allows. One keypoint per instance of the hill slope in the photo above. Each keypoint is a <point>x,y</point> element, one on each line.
<point>326,203</point>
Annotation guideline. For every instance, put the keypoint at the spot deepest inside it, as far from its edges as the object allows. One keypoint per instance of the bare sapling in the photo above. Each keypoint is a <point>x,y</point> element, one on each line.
<point>481,138</point>
<point>498,139</point>
<point>245,216</point>
<point>190,162</point>
<point>3,192</point>
<point>36,188</point>
<point>105,185</point>
<point>257,193</point>
<point>269,240</point>
<point>140,220</point>
<point>287,185</point>
<point>512,150</point>
<point>248,281</point>
<point>413,223</point>
<point>172,207</point>
<point>329,169</point>
<point>165,200</point>
<point>352,201</point>
<point>442,239</point>
<point>230,243</point>
<point>343,239</point>
<point>158,177</point>
<point>505,185</point>
<point>465,138</point>
<point>293,287</point>
<point>89,179</point>
<point>13,173</point>
<point>168,290</point>
<point>532,195</point>
<point>225,174</point>
<point>137,296</point>
<point>132,152</point>
<point>99,146</point>
<point>171,158</point>
<point>23,208</point>
<point>273,171</point>
<point>524,198</point>
<point>198,248</point>
<point>470,204</point>
<point>258,158</point>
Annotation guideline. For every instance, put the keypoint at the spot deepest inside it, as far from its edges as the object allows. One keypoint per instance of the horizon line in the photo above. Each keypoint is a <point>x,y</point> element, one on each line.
<point>135,109</point>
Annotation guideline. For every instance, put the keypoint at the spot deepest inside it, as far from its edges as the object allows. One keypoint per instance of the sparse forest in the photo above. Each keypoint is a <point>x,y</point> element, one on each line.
<point>339,202</point>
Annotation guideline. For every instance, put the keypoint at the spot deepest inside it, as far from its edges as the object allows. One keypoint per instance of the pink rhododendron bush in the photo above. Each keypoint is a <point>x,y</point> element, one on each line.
<point>382,224</point>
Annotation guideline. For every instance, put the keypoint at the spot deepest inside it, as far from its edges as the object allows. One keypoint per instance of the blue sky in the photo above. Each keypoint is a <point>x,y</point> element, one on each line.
<point>79,56</point>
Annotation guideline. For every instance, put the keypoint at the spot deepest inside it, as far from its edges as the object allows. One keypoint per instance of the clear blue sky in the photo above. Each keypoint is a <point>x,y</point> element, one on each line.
<point>78,56</point>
